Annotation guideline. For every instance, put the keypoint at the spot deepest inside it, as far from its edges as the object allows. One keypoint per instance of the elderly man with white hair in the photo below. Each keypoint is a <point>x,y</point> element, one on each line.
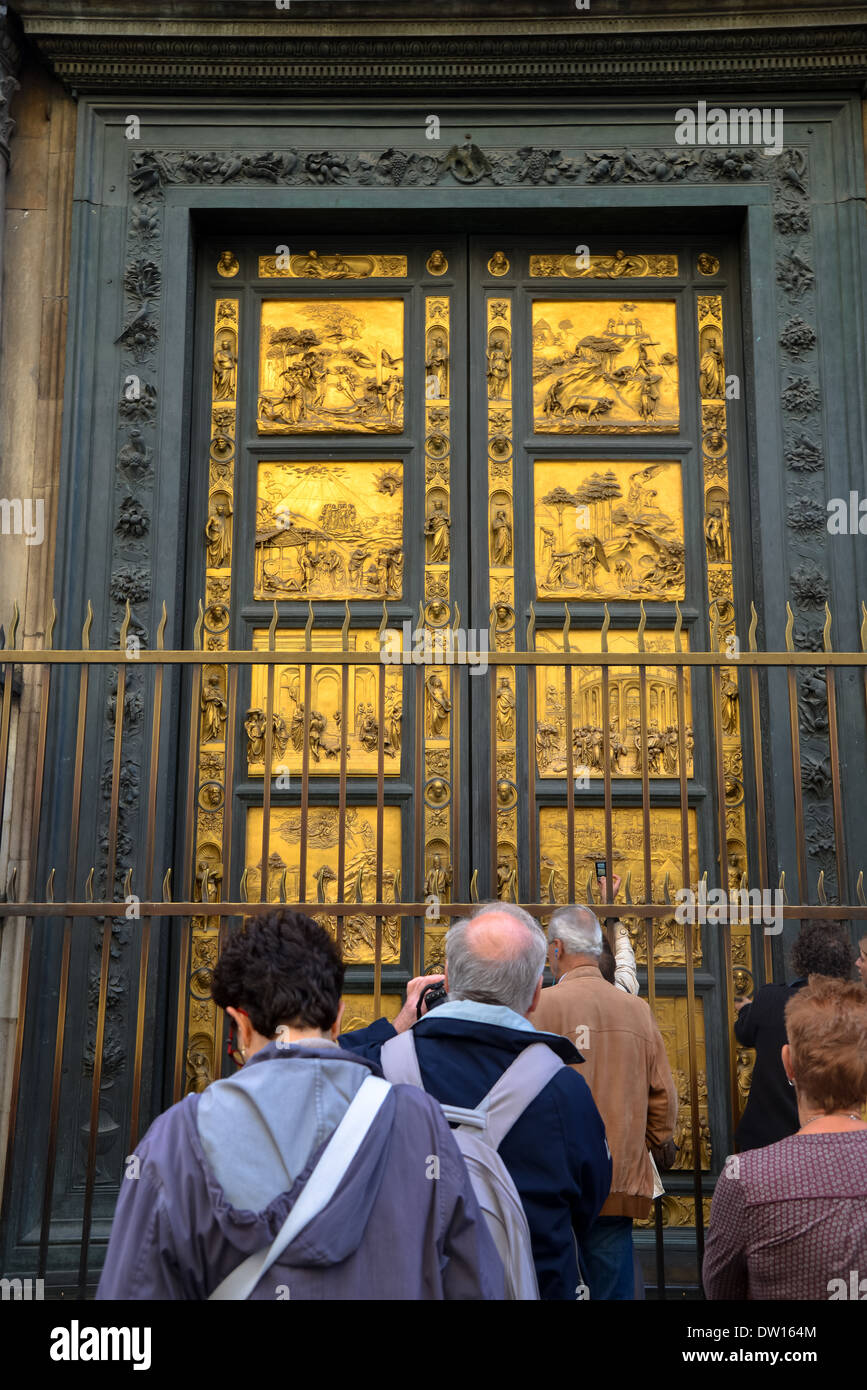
<point>627,1070</point>
<point>555,1151</point>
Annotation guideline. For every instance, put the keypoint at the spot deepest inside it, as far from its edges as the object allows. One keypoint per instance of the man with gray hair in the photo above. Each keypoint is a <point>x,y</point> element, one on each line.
<point>625,1064</point>
<point>555,1151</point>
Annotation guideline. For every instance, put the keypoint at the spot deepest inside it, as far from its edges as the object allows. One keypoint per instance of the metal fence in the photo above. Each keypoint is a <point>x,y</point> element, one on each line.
<point>59,901</point>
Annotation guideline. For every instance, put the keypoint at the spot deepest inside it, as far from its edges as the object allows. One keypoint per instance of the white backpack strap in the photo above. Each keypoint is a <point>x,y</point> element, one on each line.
<point>399,1060</point>
<point>318,1190</point>
<point>517,1088</point>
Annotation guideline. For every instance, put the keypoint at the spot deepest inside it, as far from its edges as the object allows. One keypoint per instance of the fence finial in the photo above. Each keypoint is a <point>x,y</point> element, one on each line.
<point>308,630</point>
<point>245,897</point>
<point>49,632</point>
<point>13,627</point>
<point>10,884</point>
<point>567,624</point>
<point>790,627</point>
<point>820,889</point>
<point>344,631</point>
<point>272,630</point>
<point>88,887</point>
<point>642,624</point>
<point>603,631</point>
<point>49,887</point>
<point>474,887</point>
<point>127,883</point>
<point>826,631</point>
<point>531,628</point>
<point>85,631</point>
<point>384,623</point>
<point>666,887</point>
<point>628,887</point>
<point>124,627</point>
<point>197,630</point>
<point>396,885</point>
<point>859,888</point>
<point>552,897</point>
<point>863,626</point>
<point>167,886</point>
<point>161,630</point>
<point>782,885</point>
<point>677,626</point>
<point>754,622</point>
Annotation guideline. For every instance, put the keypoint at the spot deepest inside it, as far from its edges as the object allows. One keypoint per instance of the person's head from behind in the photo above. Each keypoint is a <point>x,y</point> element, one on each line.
<point>280,971</point>
<point>826,1055</point>
<point>574,938</point>
<point>823,948</point>
<point>497,956</point>
<point>861,962</point>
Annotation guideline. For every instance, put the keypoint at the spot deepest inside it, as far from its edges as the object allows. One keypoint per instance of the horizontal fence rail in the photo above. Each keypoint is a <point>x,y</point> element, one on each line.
<point>104,872</point>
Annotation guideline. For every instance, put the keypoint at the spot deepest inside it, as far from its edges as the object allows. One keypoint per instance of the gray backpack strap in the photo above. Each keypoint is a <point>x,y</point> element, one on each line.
<point>317,1192</point>
<point>517,1088</point>
<point>399,1061</point>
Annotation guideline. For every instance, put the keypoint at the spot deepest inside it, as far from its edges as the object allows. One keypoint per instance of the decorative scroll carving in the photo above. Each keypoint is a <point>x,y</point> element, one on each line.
<point>620,266</point>
<point>318,265</point>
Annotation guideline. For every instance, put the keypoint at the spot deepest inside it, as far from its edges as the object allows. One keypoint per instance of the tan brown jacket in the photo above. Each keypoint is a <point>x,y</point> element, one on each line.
<point>627,1071</point>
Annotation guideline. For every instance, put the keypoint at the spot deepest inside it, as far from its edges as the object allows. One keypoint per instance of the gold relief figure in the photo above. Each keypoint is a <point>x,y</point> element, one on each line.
<point>209,876</point>
<point>438,882</point>
<point>228,265</point>
<point>327,365</point>
<point>218,532</point>
<point>605,367</point>
<point>255,726</point>
<point>712,374</point>
<point>707,264</point>
<point>729,703</point>
<point>746,1061</point>
<point>436,263</point>
<point>437,364</point>
<point>505,710</point>
<point>327,530</point>
<point>499,370</point>
<point>199,1065</point>
<point>507,880</point>
<point>213,710</point>
<point>603,267</point>
<point>602,530</point>
<point>225,369</point>
<point>436,530</point>
<point>499,263</point>
<point>438,706</point>
<point>501,537</point>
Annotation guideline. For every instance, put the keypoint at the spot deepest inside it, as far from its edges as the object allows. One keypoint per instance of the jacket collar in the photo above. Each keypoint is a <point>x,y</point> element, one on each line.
<point>477,1012</point>
<point>582,972</point>
<point>326,1052</point>
<point>509,1040</point>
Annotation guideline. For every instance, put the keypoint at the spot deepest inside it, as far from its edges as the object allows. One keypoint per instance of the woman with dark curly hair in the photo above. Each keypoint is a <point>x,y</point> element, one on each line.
<point>771,1113</point>
<point>306,1175</point>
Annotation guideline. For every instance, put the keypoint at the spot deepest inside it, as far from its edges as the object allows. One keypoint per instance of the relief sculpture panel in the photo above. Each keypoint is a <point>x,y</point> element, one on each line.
<point>329,531</point>
<point>327,716</point>
<point>334,366</point>
<point>605,367</point>
<point>666,857</point>
<point>609,530</point>
<point>324,830</point>
<point>624,710</point>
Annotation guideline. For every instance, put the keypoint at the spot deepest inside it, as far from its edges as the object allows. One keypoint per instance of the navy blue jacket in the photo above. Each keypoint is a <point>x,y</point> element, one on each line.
<point>556,1152</point>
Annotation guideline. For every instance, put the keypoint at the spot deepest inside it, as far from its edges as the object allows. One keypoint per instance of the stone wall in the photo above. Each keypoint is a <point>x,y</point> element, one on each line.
<point>35,293</point>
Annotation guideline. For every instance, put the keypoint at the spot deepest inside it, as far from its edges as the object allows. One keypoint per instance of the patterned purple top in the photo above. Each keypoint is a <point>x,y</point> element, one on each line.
<point>789,1219</point>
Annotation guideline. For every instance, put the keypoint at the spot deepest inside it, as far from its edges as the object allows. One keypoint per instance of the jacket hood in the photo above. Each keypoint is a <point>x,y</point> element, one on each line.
<point>512,1040</point>
<point>259,1135</point>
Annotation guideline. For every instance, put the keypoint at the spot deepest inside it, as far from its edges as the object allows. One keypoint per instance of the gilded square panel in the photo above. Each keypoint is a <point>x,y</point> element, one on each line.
<point>608,530</point>
<point>327,716</point>
<point>332,366</point>
<point>627,850</point>
<point>329,531</point>
<point>323,829</point>
<point>605,367</point>
<point>624,710</point>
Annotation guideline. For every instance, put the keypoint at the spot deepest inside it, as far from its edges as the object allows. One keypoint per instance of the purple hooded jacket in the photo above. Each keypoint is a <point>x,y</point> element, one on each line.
<point>219,1172</point>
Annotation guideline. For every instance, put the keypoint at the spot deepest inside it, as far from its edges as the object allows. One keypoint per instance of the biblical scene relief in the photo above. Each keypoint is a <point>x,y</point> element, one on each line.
<point>324,830</point>
<point>605,367</point>
<point>624,711</point>
<point>325,724</point>
<point>331,365</point>
<point>609,530</point>
<point>331,265</point>
<point>628,856</point>
<point>330,530</point>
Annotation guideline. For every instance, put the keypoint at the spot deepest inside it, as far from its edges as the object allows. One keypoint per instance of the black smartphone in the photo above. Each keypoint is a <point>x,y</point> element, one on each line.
<point>600,868</point>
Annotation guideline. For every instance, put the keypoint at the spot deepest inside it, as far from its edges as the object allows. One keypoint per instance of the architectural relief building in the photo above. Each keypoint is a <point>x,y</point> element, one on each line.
<point>532,337</point>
